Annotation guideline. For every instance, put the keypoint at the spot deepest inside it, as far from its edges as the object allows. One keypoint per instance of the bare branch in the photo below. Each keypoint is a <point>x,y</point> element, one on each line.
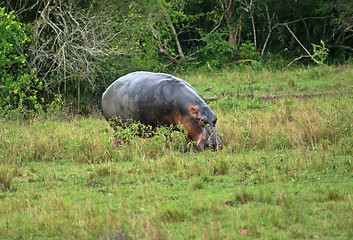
<point>180,50</point>
<point>162,48</point>
<point>298,58</point>
<point>209,67</point>
<point>21,6</point>
<point>67,42</point>
<point>286,25</point>
<point>340,46</point>
<point>283,24</point>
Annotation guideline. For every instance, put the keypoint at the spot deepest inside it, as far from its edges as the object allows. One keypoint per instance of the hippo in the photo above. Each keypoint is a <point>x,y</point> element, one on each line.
<point>159,99</point>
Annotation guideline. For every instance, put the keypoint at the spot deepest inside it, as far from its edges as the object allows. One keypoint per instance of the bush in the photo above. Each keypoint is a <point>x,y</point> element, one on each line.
<point>248,53</point>
<point>217,50</point>
<point>19,85</point>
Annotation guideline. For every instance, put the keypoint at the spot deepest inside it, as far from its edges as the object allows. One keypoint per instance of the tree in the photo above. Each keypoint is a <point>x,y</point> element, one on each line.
<point>340,33</point>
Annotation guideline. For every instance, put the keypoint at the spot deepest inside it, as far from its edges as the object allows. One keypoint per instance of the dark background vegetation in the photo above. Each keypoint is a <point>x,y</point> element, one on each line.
<point>65,53</point>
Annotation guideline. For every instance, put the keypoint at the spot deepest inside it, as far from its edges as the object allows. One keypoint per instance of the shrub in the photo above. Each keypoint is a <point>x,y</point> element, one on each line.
<point>19,85</point>
<point>217,50</point>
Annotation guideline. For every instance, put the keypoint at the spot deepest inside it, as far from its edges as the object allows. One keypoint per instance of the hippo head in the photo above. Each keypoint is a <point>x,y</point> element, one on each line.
<point>201,128</point>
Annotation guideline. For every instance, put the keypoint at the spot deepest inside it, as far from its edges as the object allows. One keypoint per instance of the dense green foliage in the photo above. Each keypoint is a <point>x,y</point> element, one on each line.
<point>19,85</point>
<point>77,48</point>
<point>285,171</point>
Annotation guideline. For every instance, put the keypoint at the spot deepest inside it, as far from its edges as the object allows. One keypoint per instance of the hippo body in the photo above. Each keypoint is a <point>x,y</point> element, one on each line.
<point>159,99</point>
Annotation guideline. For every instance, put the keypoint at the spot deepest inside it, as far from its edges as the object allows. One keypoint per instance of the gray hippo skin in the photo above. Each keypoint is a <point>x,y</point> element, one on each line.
<point>159,99</point>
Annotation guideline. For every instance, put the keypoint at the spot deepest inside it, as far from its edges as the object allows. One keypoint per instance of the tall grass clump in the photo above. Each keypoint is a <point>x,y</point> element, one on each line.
<point>7,173</point>
<point>83,140</point>
<point>288,123</point>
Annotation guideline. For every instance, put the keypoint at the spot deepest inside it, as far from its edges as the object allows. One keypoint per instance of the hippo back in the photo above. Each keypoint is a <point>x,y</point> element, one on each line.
<point>148,97</point>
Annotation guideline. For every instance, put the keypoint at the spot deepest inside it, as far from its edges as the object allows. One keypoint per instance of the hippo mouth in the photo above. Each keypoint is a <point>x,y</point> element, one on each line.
<point>209,139</point>
<point>214,141</point>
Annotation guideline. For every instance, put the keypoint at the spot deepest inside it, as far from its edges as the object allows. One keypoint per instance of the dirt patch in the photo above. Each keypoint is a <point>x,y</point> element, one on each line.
<point>94,184</point>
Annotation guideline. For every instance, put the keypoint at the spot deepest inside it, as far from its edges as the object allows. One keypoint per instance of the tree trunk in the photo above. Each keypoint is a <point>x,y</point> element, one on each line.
<point>235,33</point>
<point>253,24</point>
<point>233,20</point>
<point>78,94</point>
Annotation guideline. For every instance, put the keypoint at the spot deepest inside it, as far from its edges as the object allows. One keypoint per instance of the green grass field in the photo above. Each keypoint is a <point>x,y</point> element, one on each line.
<point>285,172</point>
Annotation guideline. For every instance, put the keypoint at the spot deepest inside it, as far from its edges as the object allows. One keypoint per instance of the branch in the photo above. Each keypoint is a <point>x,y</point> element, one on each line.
<point>270,29</point>
<point>298,58</point>
<point>171,58</point>
<point>67,43</point>
<point>340,46</point>
<point>286,25</point>
<point>180,50</point>
<point>209,67</point>
<point>219,23</point>
<point>21,6</point>
<point>281,24</point>
<point>162,49</point>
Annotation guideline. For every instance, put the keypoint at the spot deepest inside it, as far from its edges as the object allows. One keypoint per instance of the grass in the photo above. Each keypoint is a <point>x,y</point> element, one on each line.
<point>285,170</point>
